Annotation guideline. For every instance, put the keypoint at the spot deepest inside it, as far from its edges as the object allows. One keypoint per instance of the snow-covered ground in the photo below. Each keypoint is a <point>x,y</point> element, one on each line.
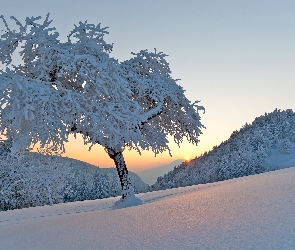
<point>254,212</point>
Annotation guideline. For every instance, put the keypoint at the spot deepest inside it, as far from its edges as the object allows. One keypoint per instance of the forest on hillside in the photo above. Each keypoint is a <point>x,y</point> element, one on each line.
<point>34,179</point>
<point>246,152</point>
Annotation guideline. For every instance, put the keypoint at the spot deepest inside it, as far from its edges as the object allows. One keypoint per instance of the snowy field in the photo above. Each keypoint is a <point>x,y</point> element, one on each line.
<point>254,212</point>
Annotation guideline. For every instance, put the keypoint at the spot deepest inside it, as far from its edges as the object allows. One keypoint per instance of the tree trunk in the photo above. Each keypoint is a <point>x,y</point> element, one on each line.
<point>127,189</point>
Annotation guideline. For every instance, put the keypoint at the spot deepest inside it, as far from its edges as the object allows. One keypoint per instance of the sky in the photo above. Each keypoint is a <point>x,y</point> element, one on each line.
<point>236,56</point>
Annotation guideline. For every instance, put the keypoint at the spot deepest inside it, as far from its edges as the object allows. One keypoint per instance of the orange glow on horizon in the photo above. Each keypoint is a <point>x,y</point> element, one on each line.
<point>76,149</point>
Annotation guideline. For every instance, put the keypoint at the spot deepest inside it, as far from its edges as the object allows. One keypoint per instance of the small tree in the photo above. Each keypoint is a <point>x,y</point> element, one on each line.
<point>76,87</point>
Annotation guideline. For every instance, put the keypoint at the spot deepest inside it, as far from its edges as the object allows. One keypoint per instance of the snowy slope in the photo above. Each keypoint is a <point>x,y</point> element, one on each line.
<point>253,212</point>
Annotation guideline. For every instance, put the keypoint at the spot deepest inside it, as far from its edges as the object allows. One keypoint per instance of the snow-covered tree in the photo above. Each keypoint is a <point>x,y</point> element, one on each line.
<point>76,87</point>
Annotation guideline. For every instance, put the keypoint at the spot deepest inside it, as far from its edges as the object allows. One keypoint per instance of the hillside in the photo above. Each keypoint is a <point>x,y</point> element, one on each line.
<point>37,179</point>
<point>253,212</point>
<point>266,144</point>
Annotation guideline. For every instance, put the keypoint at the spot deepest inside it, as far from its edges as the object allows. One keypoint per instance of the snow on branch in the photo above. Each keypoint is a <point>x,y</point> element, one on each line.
<point>85,33</point>
<point>61,85</point>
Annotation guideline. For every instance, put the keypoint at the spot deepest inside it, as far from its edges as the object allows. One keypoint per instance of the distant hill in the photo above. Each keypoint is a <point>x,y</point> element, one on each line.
<point>266,144</point>
<point>150,176</point>
<point>37,179</point>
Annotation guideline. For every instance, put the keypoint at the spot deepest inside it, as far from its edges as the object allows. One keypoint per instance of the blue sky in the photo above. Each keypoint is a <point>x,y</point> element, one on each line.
<point>237,57</point>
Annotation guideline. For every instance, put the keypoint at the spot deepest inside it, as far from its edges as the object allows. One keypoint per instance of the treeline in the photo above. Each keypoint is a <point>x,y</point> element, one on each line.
<point>35,180</point>
<point>246,152</point>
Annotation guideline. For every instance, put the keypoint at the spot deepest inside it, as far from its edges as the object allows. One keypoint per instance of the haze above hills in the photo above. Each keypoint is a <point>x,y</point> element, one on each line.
<point>149,176</point>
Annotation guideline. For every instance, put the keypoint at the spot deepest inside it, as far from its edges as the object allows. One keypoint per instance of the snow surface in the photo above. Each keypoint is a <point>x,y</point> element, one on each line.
<point>129,201</point>
<point>253,212</point>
